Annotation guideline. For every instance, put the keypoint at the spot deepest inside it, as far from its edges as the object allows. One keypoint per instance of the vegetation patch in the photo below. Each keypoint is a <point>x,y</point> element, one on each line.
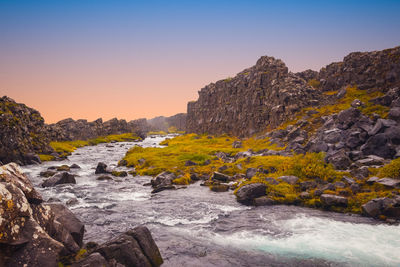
<point>65,148</point>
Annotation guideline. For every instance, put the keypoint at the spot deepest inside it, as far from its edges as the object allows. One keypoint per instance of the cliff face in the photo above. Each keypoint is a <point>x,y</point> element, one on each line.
<point>263,95</point>
<point>70,129</point>
<point>22,133</point>
<point>267,94</point>
<point>378,69</point>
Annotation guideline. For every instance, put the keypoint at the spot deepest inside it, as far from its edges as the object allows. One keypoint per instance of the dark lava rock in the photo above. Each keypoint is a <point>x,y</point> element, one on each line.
<point>217,176</point>
<point>164,178</point>
<point>237,144</point>
<point>104,178</point>
<point>74,166</point>
<point>59,178</point>
<point>263,201</point>
<point>378,145</point>
<point>382,206</point>
<point>333,200</point>
<point>101,168</point>
<point>162,188</point>
<point>394,114</point>
<point>47,173</point>
<point>74,226</point>
<point>132,248</point>
<point>289,179</point>
<point>340,160</point>
<point>119,173</point>
<point>247,193</point>
<point>219,187</point>
<point>63,168</point>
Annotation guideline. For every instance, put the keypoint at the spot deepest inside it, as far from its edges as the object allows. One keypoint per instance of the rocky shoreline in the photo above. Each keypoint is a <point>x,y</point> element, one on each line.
<point>34,233</point>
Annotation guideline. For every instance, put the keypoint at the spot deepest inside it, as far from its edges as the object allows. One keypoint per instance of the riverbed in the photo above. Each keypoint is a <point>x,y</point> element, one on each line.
<point>197,227</point>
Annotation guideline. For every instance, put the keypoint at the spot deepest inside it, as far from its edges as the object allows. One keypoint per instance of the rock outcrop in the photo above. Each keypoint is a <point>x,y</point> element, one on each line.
<point>267,94</point>
<point>34,233</point>
<point>264,95</point>
<point>22,133</point>
<point>69,129</point>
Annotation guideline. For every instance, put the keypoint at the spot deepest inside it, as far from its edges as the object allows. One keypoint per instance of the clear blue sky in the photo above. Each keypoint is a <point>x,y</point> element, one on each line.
<point>163,52</point>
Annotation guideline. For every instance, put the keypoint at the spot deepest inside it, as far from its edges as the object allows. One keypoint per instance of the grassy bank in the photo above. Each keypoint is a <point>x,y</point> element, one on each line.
<point>65,148</point>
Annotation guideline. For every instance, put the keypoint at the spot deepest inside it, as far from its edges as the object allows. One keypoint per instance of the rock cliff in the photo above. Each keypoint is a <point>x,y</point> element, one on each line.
<point>162,123</point>
<point>267,94</point>
<point>23,133</point>
<point>70,129</point>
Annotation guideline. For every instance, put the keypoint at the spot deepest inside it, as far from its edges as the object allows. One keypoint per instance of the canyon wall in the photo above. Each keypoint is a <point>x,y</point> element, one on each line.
<point>267,94</point>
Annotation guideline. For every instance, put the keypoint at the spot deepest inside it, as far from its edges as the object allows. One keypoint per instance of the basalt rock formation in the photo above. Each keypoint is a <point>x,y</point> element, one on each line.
<point>69,129</point>
<point>267,94</point>
<point>23,133</point>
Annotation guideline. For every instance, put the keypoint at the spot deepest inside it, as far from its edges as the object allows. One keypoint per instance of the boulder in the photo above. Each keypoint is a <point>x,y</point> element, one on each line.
<point>247,193</point>
<point>163,179</point>
<point>250,172</point>
<point>101,168</point>
<point>47,173</point>
<point>394,114</point>
<point>329,200</point>
<point>217,176</point>
<point>63,168</point>
<point>289,179</point>
<point>162,188</point>
<point>119,173</point>
<point>104,178</point>
<point>263,201</point>
<point>219,187</point>
<point>389,182</point>
<point>340,160</point>
<point>74,166</point>
<point>382,206</point>
<point>132,248</point>
<point>93,260</point>
<point>69,221</point>
<point>378,145</point>
<point>59,178</point>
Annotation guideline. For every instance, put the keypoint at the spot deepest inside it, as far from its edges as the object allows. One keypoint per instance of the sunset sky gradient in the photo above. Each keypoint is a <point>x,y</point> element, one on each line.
<point>134,59</point>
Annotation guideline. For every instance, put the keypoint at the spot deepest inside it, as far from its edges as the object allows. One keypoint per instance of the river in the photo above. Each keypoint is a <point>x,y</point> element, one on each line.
<point>197,227</point>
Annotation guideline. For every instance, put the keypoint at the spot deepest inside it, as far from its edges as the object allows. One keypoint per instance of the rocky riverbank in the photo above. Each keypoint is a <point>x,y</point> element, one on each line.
<point>35,233</point>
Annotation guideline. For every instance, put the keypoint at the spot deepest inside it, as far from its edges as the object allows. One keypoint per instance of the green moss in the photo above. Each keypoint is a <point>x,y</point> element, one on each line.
<point>391,170</point>
<point>65,148</point>
<point>44,157</point>
<point>157,133</point>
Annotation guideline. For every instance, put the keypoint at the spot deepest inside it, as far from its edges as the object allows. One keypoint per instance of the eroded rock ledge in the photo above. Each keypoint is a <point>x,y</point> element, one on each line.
<point>33,233</point>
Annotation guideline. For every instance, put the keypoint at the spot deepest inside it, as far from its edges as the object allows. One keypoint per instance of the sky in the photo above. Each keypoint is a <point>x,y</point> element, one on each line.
<point>140,59</point>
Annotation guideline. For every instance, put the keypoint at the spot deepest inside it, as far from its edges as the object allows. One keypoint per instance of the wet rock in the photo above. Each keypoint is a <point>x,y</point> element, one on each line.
<point>263,201</point>
<point>250,172</point>
<point>247,193</point>
<point>74,166</point>
<point>119,173</point>
<point>219,187</point>
<point>59,178</point>
<point>101,168</point>
<point>104,178</point>
<point>63,168</point>
<point>329,200</point>
<point>122,162</point>
<point>47,173</point>
<point>72,201</point>
<point>164,178</point>
<point>217,176</point>
<point>394,183</point>
<point>133,248</point>
<point>93,260</point>
<point>382,206</point>
<point>289,179</point>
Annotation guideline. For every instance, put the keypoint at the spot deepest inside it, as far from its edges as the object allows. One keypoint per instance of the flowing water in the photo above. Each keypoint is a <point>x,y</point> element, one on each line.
<point>197,227</point>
